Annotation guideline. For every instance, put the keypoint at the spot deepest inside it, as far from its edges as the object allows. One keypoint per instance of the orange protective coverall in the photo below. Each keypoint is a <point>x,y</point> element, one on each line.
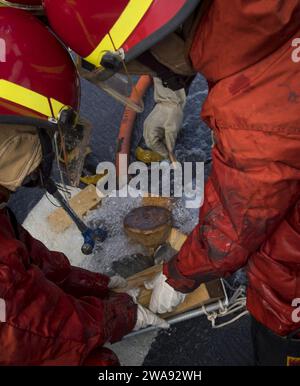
<point>249,50</point>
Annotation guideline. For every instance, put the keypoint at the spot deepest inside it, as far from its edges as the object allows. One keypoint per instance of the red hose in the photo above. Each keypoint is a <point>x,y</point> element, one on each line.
<point>128,119</point>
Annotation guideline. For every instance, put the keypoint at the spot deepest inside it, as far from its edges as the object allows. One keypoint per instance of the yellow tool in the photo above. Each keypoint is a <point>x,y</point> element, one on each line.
<point>92,180</point>
<point>147,156</point>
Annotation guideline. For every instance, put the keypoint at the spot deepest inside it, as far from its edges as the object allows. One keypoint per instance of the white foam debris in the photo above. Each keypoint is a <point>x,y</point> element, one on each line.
<point>184,218</point>
<point>109,215</point>
<point>117,246</point>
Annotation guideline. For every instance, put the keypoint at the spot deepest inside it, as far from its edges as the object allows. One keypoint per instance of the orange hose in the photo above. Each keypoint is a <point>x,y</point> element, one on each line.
<point>128,119</point>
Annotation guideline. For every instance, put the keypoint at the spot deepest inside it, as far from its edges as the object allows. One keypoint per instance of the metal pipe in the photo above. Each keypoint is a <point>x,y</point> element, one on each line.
<point>181,318</point>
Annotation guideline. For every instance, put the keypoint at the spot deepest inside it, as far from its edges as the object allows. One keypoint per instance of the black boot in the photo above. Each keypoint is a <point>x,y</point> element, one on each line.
<point>274,350</point>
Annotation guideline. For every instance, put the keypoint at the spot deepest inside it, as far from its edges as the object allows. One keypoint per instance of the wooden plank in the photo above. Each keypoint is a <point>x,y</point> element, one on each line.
<point>193,300</point>
<point>196,299</point>
<point>139,279</point>
<point>176,239</point>
<point>81,203</point>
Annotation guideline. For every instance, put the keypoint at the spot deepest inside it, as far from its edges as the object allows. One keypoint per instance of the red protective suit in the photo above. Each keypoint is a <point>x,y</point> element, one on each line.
<point>56,314</point>
<point>249,52</point>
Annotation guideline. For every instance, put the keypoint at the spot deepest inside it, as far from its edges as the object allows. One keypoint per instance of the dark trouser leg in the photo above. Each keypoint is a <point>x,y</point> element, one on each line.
<point>274,350</point>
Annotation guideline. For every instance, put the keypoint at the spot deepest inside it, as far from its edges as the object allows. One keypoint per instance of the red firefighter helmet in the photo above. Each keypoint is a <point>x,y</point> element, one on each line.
<point>37,75</point>
<point>39,83</point>
<point>129,27</point>
<point>23,4</point>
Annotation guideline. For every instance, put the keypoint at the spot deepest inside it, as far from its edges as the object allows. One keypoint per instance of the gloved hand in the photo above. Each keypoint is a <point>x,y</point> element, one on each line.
<point>164,298</point>
<point>117,282</point>
<point>163,124</point>
<point>145,317</point>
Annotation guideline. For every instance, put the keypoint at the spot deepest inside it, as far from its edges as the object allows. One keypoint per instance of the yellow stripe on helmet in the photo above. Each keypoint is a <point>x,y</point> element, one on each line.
<point>122,29</point>
<point>30,99</point>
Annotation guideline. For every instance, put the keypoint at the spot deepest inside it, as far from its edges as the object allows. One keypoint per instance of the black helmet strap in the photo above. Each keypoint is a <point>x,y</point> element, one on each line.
<point>169,78</point>
<point>48,154</point>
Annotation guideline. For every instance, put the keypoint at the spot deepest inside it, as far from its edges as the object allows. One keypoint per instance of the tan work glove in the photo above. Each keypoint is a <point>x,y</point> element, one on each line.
<point>164,298</point>
<point>163,124</point>
<point>145,317</point>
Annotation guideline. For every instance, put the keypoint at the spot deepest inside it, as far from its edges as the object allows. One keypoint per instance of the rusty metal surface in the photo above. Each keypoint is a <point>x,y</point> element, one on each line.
<point>148,225</point>
<point>147,218</point>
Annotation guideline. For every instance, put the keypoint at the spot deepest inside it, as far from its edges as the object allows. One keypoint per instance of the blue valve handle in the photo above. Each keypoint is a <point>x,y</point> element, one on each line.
<point>90,237</point>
